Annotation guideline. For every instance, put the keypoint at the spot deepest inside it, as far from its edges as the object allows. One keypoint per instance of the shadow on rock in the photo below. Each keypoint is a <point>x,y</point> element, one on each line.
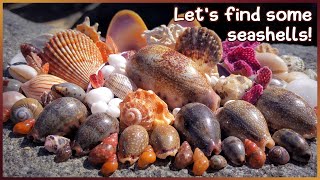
<point>43,152</point>
<point>89,166</point>
<point>163,162</point>
<point>27,143</point>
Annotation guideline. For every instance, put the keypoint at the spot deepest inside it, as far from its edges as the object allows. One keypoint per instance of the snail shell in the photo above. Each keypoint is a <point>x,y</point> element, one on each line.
<point>165,141</point>
<point>25,108</point>
<point>200,127</point>
<point>278,155</point>
<point>294,143</point>
<point>201,162</point>
<point>255,156</point>
<point>9,99</point>
<point>234,150</point>
<point>96,127</point>
<point>68,90</point>
<point>120,85</point>
<point>285,109</point>
<point>55,142</point>
<point>184,156</point>
<point>133,141</point>
<point>172,76</point>
<point>243,120</point>
<point>60,117</point>
<point>218,162</point>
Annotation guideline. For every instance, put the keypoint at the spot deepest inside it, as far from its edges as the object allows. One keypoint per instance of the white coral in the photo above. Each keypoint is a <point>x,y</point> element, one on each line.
<point>164,35</point>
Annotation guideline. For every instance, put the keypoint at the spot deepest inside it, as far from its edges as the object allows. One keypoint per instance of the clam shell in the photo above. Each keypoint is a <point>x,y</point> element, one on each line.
<point>120,85</point>
<point>39,84</point>
<point>22,72</point>
<point>72,56</point>
<point>274,62</point>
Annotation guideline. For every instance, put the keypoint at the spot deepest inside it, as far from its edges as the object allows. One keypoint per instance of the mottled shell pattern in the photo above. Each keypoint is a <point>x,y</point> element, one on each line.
<point>72,56</point>
<point>54,142</point>
<point>120,85</point>
<point>144,108</point>
<point>294,63</point>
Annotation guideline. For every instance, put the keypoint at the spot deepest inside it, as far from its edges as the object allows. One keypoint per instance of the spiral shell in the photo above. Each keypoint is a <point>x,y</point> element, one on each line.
<point>72,56</point>
<point>39,84</point>
<point>144,108</point>
<point>120,85</point>
<point>26,108</point>
<point>9,99</point>
<point>184,156</point>
<point>278,155</point>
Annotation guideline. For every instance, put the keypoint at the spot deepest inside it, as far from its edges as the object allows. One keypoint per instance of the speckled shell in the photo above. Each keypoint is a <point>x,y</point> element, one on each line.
<point>218,162</point>
<point>243,120</point>
<point>39,84</point>
<point>278,155</point>
<point>234,150</point>
<point>165,141</point>
<point>184,156</point>
<point>120,85</point>
<point>133,140</point>
<point>284,109</point>
<point>200,127</point>
<point>55,142</point>
<point>144,108</point>
<point>274,62</point>
<point>294,143</point>
<point>60,117</point>
<point>95,128</point>
<point>68,90</point>
<point>172,76</point>
<point>27,108</point>
<point>294,63</point>
<point>72,56</point>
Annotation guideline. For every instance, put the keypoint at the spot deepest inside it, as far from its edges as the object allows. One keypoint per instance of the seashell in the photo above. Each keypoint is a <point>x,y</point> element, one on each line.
<point>165,140</point>
<point>276,82</point>
<point>117,60</point>
<point>294,63</point>
<point>107,48</point>
<point>232,87</point>
<point>105,150</point>
<point>25,108</point>
<point>31,54</point>
<point>24,127</point>
<point>133,141</point>
<point>110,166</point>
<point>291,76</point>
<point>243,120</point>
<point>147,157</point>
<point>35,87</point>
<point>284,109</point>
<point>115,102</point>
<point>278,155</point>
<point>120,85</point>
<point>60,117</point>
<point>201,162</point>
<point>72,56</point>
<point>274,62</point>
<point>184,23</point>
<point>199,125</point>
<point>46,98</point>
<point>9,99</point>
<point>68,90</point>
<point>95,129</point>
<point>203,46</point>
<point>311,73</point>
<point>169,68</point>
<point>90,31</point>
<point>22,73</point>
<point>107,71</point>
<point>144,108</point>
<point>10,84</point>
<point>266,48</point>
<point>63,154</point>
<point>125,29</point>
<point>184,156</point>
<point>113,111</point>
<point>306,88</point>
<point>294,143</point>
<point>218,162</point>
<point>255,156</point>
<point>99,94</point>
<point>54,142</point>
<point>234,150</point>
<point>175,111</point>
<point>99,107</point>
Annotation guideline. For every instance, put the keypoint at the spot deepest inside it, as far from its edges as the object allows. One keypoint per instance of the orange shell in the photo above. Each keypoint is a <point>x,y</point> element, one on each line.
<point>126,28</point>
<point>144,108</point>
<point>90,31</point>
<point>255,156</point>
<point>185,23</point>
<point>201,162</point>
<point>72,56</point>
<point>24,127</point>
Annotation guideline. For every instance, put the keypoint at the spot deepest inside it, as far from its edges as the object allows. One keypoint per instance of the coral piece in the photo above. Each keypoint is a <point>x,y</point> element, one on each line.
<point>266,47</point>
<point>120,85</point>
<point>24,127</point>
<point>255,156</point>
<point>25,108</point>
<point>144,108</point>
<point>294,63</point>
<point>184,156</point>
<point>201,162</point>
<point>234,150</point>
<point>164,35</point>
<point>90,31</point>
<point>184,23</point>
<point>253,94</point>
<point>147,157</point>
<point>230,46</point>
<point>126,28</point>
<point>97,80</point>
<point>278,155</point>
<point>263,77</point>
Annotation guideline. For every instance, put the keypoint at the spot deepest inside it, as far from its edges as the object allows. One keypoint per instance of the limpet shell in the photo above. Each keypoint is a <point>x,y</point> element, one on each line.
<point>120,85</point>
<point>22,73</point>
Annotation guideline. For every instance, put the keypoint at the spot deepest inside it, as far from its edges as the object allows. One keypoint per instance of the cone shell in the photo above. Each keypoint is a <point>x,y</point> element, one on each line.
<point>72,56</point>
<point>120,85</point>
<point>202,45</point>
<point>144,108</point>
<point>39,84</point>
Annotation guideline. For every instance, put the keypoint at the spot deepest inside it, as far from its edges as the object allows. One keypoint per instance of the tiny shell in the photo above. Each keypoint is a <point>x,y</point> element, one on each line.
<point>22,73</point>
<point>99,107</point>
<point>266,47</point>
<point>99,94</point>
<point>255,156</point>
<point>107,71</point>
<point>218,162</point>
<point>201,162</point>
<point>68,90</point>
<point>234,150</point>
<point>306,88</point>
<point>147,157</point>
<point>113,111</point>
<point>120,85</point>
<point>54,142</point>
<point>278,155</point>
<point>35,87</point>
<point>184,156</point>
<point>274,62</point>
<point>294,63</point>
<point>11,85</point>
<point>25,108</point>
<point>24,127</point>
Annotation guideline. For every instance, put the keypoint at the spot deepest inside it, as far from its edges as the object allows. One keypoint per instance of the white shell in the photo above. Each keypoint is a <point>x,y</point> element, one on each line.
<point>294,63</point>
<point>115,102</point>
<point>288,77</point>
<point>98,107</point>
<point>116,60</point>
<point>175,111</point>
<point>107,70</point>
<point>113,111</point>
<point>311,73</point>
<point>306,88</point>
<point>99,94</point>
<point>22,72</point>
<point>274,62</point>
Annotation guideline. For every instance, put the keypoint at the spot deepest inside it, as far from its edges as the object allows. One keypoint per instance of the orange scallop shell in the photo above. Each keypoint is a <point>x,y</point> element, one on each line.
<point>144,108</point>
<point>72,56</point>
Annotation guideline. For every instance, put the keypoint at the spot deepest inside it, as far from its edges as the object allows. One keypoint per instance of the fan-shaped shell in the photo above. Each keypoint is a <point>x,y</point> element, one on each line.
<point>72,56</point>
<point>144,108</point>
<point>120,85</point>
<point>39,84</point>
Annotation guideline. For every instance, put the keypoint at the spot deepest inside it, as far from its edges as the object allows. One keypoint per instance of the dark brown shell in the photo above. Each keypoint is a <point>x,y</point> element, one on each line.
<point>234,150</point>
<point>218,162</point>
<point>278,155</point>
<point>184,156</point>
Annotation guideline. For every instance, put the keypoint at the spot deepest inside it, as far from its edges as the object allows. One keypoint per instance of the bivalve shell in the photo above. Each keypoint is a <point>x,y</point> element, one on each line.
<point>22,72</point>
<point>120,85</point>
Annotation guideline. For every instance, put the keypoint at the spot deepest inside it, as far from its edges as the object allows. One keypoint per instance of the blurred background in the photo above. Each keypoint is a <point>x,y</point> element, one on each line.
<point>69,15</point>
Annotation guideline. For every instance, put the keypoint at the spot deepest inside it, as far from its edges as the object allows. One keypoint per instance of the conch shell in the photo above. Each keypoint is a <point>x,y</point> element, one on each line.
<point>72,56</point>
<point>144,108</point>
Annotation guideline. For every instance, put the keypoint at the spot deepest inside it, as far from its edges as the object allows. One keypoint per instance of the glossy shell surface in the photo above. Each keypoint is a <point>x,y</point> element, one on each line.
<point>25,108</point>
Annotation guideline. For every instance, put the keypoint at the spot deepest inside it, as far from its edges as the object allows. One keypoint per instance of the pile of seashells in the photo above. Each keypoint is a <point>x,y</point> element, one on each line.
<point>177,90</point>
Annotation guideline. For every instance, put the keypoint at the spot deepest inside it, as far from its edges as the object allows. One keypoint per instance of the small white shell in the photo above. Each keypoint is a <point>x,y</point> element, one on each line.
<point>116,60</point>
<point>98,107</point>
<point>306,88</point>
<point>120,85</point>
<point>113,111</point>
<point>107,70</point>
<point>274,62</point>
<point>22,72</point>
<point>115,102</point>
<point>54,142</point>
<point>99,94</point>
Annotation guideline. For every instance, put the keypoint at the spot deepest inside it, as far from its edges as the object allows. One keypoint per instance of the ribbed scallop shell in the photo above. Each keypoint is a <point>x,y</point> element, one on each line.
<point>144,108</point>
<point>72,56</point>
<point>35,87</point>
<point>120,85</point>
<point>202,45</point>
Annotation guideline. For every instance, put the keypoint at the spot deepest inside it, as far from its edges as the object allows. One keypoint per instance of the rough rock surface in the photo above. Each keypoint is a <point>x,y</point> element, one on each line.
<point>22,158</point>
